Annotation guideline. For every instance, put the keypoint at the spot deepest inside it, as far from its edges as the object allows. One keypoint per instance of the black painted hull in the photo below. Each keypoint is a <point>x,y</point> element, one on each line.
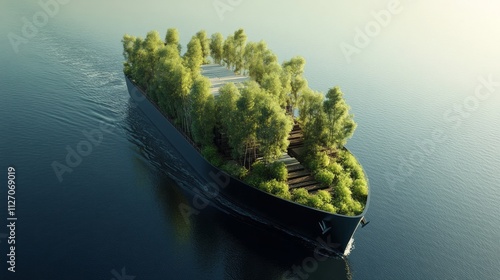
<point>328,231</point>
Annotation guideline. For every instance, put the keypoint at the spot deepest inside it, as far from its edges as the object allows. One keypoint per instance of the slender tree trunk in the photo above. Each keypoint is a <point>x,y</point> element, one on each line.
<point>245,156</point>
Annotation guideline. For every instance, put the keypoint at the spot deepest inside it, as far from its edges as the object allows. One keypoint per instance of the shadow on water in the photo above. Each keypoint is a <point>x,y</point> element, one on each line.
<point>226,245</point>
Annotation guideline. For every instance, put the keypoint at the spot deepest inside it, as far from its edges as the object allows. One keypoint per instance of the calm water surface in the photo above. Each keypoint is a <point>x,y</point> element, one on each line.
<point>433,210</point>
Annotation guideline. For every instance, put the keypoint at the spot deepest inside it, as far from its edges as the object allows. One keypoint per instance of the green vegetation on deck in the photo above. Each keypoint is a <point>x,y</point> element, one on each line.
<point>241,116</point>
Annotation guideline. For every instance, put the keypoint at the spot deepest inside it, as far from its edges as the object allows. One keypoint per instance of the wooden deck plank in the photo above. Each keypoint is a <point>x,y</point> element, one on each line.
<point>315,188</point>
<point>303,184</point>
<point>297,180</point>
<point>295,167</point>
<point>299,173</point>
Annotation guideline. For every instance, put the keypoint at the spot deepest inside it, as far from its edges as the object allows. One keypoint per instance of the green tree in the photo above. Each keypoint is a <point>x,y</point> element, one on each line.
<point>248,56</point>
<point>240,39</point>
<point>254,121</point>
<point>271,64</point>
<point>205,45</point>
<point>142,57</point>
<point>340,124</point>
<point>154,88</point>
<point>226,105</point>
<point>193,57</point>
<point>151,46</point>
<point>165,85</point>
<point>259,60</point>
<point>277,84</point>
<point>128,53</point>
<point>216,47</point>
<point>183,82</point>
<point>312,119</point>
<point>229,51</point>
<point>173,38</point>
<point>295,67</point>
<point>176,81</point>
<point>273,127</point>
<point>202,111</point>
<point>138,62</point>
<point>242,131</point>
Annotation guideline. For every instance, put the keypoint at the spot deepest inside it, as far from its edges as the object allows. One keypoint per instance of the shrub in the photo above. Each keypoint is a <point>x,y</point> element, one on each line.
<point>265,186</point>
<point>280,189</point>
<point>351,164</point>
<point>317,161</point>
<point>212,155</point>
<point>342,192</point>
<point>314,201</point>
<point>323,159</point>
<point>357,172</point>
<point>278,171</point>
<point>235,170</point>
<point>328,208</point>
<point>335,168</point>
<point>300,196</point>
<point>356,207</point>
<point>209,151</point>
<point>277,188</point>
<point>344,201</point>
<point>324,177</point>
<point>259,168</point>
<point>344,181</point>
<point>349,161</point>
<point>343,207</point>
<point>254,180</point>
<point>360,189</point>
<point>321,200</point>
<point>325,196</point>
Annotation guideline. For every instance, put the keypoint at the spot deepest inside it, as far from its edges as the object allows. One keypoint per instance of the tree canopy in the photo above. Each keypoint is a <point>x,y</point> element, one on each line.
<point>327,124</point>
<point>240,39</point>
<point>312,119</point>
<point>216,47</point>
<point>173,38</point>
<point>255,117</point>
<point>253,120</point>
<point>295,68</point>
<point>193,57</point>
<point>202,111</point>
<point>205,45</point>
<point>340,124</point>
<point>229,51</point>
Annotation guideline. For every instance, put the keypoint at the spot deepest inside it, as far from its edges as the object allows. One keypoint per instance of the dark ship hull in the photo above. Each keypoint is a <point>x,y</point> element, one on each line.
<point>329,232</point>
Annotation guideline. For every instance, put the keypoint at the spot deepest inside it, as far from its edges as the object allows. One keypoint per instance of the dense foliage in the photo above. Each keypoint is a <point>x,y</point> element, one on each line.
<point>256,117</point>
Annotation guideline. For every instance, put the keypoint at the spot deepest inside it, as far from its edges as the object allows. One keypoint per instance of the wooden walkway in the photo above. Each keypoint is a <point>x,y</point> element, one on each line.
<point>298,175</point>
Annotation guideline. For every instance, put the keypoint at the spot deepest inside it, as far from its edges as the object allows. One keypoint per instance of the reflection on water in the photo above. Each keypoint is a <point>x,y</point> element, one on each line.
<point>224,246</point>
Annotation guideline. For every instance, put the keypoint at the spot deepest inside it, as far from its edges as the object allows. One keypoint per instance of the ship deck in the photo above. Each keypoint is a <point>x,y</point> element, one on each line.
<point>220,75</point>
